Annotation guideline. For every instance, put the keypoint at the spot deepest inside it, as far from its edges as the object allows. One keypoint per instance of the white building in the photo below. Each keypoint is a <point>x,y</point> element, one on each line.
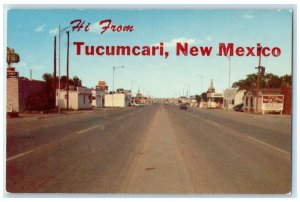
<point>267,100</point>
<point>79,98</point>
<point>117,100</point>
<point>97,98</point>
<point>232,97</point>
<point>215,100</point>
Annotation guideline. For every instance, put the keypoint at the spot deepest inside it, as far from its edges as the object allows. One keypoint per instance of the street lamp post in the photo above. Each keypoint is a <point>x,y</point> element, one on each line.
<point>188,90</point>
<point>60,31</point>
<point>132,82</point>
<point>229,69</point>
<point>114,68</point>
<point>201,77</point>
<point>229,75</point>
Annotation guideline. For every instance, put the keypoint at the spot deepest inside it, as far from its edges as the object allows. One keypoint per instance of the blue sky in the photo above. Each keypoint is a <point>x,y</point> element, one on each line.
<point>31,34</point>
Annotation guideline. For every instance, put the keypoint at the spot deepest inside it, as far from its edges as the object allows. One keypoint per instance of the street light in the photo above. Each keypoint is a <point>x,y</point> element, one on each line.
<point>60,31</point>
<point>189,89</point>
<point>229,69</point>
<point>114,68</point>
<point>132,82</point>
<point>229,72</point>
<point>201,77</point>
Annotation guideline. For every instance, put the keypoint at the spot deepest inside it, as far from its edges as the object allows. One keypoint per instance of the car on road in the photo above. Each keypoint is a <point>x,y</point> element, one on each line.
<point>239,108</point>
<point>183,106</point>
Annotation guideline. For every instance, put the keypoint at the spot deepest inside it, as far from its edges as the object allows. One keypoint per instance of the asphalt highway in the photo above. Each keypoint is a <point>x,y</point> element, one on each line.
<point>156,149</point>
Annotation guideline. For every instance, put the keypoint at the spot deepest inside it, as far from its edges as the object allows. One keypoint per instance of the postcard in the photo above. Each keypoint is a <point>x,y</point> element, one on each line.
<point>149,101</point>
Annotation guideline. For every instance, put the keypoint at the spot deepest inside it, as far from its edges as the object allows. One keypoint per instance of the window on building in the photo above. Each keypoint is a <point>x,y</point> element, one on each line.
<point>83,98</point>
<point>251,102</point>
<point>232,102</point>
<point>247,101</point>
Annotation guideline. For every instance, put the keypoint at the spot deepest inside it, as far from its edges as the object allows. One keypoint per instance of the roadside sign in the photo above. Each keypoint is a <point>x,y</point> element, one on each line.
<point>12,75</point>
<point>102,88</point>
<point>13,58</point>
<point>102,83</point>
<point>272,102</point>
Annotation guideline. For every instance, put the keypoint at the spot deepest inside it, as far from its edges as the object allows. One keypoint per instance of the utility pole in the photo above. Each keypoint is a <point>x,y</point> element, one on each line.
<point>114,68</point>
<point>132,82</point>
<point>68,47</point>
<point>60,31</point>
<point>260,72</point>
<point>229,71</point>
<point>54,72</point>
<point>58,101</point>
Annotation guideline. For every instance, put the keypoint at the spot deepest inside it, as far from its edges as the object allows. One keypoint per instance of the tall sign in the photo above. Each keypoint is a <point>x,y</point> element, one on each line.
<point>11,56</point>
<point>102,86</point>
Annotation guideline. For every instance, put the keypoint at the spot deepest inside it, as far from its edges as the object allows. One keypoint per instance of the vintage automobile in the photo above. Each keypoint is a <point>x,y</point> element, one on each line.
<point>238,108</point>
<point>183,106</point>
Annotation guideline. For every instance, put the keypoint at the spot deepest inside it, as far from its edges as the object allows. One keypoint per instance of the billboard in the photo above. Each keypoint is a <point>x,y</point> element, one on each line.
<point>272,102</point>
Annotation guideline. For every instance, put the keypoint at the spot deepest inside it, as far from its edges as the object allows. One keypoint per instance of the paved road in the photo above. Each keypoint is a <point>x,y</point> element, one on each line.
<point>153,149</point>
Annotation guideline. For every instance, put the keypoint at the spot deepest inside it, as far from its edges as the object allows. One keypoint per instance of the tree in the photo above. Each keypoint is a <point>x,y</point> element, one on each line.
<point>267,81</point>
<point>272,81</point>
<point>49,93</point>
<point>204,97</point>
<point>198,99</point>
<point>286,80</point>
<point>246,84</point>
<point>77,82</point>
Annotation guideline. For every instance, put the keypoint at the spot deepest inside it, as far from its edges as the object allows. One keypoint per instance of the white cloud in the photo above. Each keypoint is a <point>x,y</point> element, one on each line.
<point>208,38</point>
<point>173,42</point>
<point>53,31</point>
<point>40,28</point>
<point>247,16</point>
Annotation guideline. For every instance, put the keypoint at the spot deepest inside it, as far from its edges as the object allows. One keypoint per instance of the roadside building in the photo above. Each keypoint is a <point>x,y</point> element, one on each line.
<point>140,99</point>
<point>22,93</point>
<point>79,98</point>
<point>117,100</point>
<point>98,94</point>
<point>193,102</point>
<point>232,97</point>
<point>214,100</point>
<point>97,98</point>
<point>264,101</point>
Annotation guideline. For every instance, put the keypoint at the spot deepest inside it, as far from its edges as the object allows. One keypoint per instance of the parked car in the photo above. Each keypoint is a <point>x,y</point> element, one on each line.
<point>239,108</point>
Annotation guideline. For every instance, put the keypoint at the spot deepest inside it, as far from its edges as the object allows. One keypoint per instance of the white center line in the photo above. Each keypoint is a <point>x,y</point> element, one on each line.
<point>19,155</point>
<point>82,131</point>
<point>261,142</point>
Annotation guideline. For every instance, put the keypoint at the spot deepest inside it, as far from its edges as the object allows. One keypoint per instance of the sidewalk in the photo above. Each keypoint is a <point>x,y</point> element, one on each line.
<point>65,112</point>
<point>245,113</point>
